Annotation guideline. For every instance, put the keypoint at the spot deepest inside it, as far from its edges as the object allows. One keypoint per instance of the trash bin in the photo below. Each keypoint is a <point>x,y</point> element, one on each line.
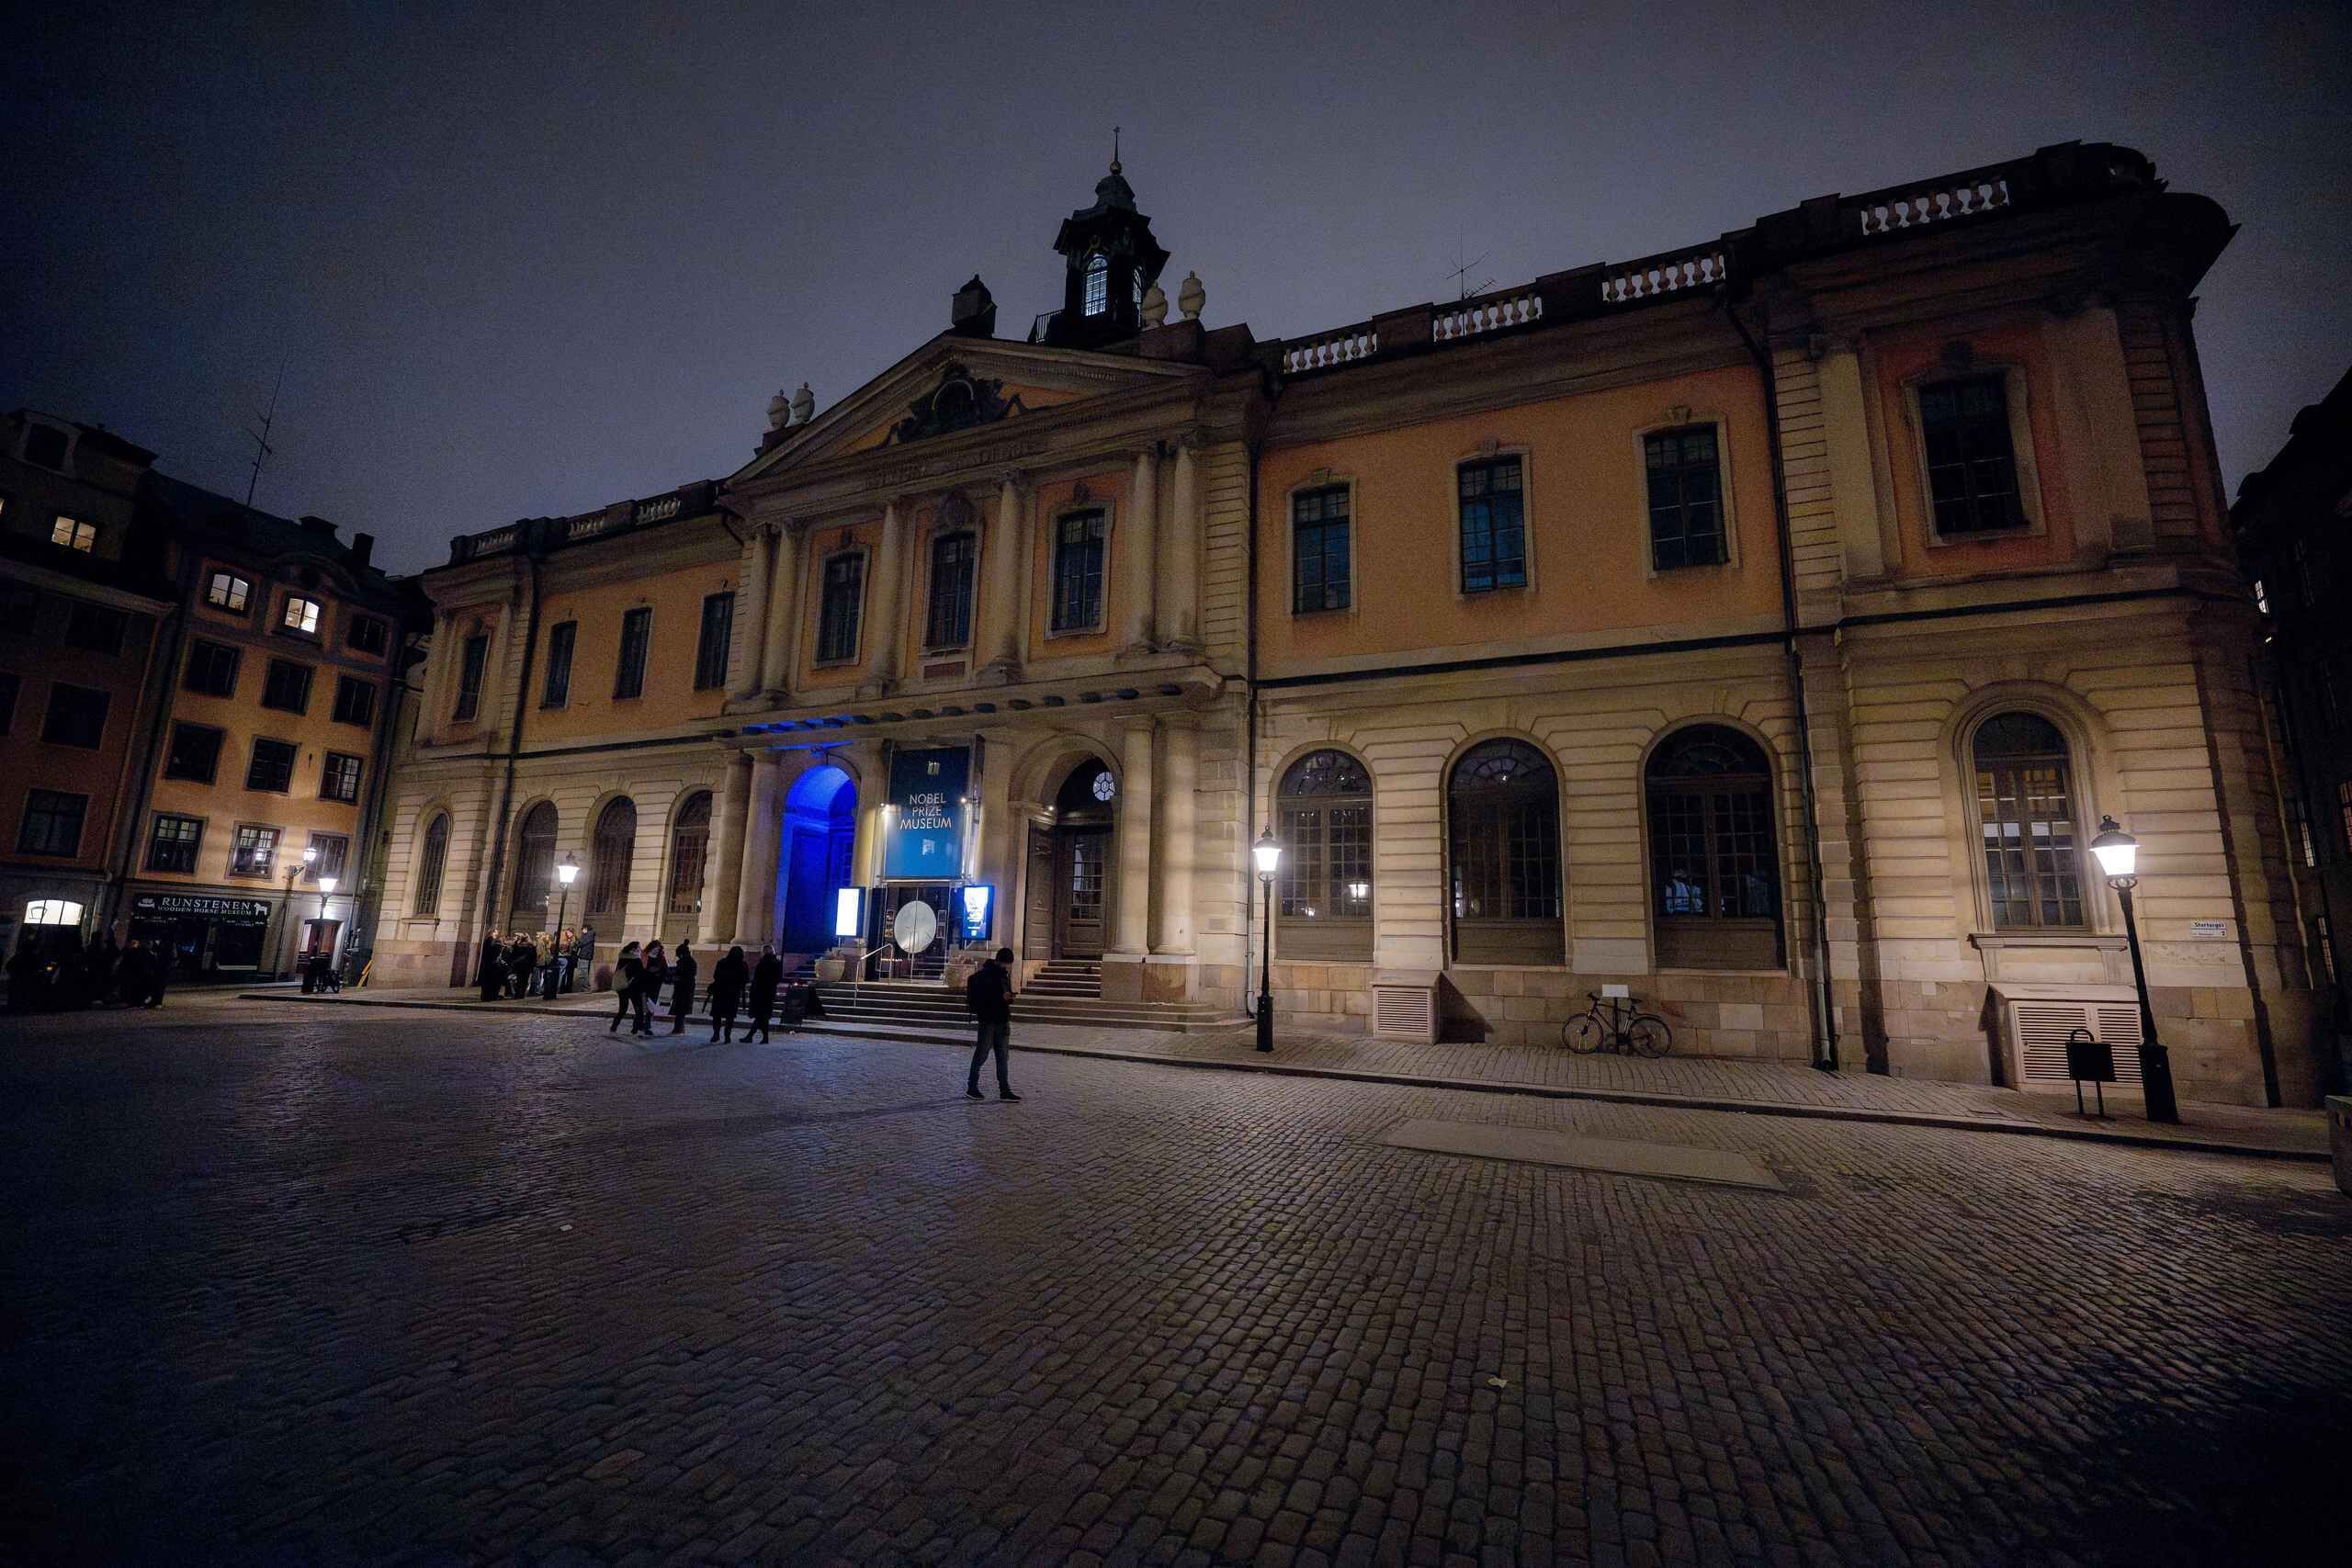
<point>2339,1139</point>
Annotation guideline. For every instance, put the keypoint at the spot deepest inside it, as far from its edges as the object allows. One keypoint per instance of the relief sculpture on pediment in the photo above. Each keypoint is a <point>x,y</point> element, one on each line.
<point>960,401</point>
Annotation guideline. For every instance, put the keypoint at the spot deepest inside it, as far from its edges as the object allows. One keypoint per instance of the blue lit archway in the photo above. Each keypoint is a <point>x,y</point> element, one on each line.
<point>818,833</point>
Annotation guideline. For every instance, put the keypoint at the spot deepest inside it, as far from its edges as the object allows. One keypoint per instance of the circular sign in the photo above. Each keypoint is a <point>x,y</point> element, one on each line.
<point>1105,787</point>
<point>914,927</point>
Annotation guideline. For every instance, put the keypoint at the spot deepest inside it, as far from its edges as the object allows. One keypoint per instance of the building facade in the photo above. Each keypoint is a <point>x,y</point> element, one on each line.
<point>2294,530</point>
<point>195,694</point>
<point>1762,627</point>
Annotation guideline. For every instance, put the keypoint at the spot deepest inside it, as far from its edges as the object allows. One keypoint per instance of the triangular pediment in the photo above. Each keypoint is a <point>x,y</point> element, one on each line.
<point>953,385</point>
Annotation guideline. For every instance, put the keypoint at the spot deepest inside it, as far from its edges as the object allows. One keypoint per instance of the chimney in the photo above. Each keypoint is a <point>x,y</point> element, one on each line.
<point>319,525</point>
<point>363,550</point>
<point>974,312</point>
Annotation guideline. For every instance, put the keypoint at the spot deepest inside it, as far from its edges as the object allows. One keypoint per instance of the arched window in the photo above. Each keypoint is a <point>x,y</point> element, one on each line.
<point>1098,284</point>
<point>534,867</point>
<point>2025,811</point>
<point>614,847</point>
<point>1503,812</point>
<point>1324,814</point>
<point>949,623</point>
<point>689,840</point>
<point>430,859</point>
<point>1714,878</point>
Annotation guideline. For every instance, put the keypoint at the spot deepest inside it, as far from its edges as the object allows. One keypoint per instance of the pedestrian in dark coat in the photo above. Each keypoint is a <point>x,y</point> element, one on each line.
<point>727,983</point>
<point>628,971</point>
<point>682,989</point>
<point>649,989</point>
<point>494,966</point>
<point>988,995</point>
<point>584,950</point>
<point>766,976</point>
<point>522,957</point>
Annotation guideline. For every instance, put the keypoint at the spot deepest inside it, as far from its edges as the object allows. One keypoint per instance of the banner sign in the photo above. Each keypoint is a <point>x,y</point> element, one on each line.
<point>200,906</point>
<point>927,814</point>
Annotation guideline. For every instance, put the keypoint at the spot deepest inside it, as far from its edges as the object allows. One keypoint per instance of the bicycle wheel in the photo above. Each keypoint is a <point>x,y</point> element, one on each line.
<point>1583,1034</point>
<point>1648,1035</point>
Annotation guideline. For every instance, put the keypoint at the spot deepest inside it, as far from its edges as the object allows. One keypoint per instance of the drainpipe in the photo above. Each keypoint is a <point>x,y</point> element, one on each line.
<point>514,735</point>
<point>1826,1053</point>
<point>1249,790</point>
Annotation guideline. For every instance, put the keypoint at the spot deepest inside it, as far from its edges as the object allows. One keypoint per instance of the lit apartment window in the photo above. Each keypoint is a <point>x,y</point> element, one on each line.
<point>227,591</point>
<point>302,615</point>
<point>53,823</point>
<point>256,851</point>
<point>339,779</point>
<point>73,533</point>
<point>173,843</point>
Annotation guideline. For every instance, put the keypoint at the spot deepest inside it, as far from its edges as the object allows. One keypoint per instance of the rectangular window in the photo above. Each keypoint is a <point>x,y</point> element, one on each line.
<point>254,853</point>
<point>194,753</point>
<point>8,684</point>
<point>354,700</point>
<point>1319,550</point>
<point>1685,498</point>
<point>288,687</point>
<point>334,850</point>
<point>73,533</point>
<point>77,716</point>
<point>172,845</point>
<point>339,779</point>
<point>272,769</point>
<point>2033,868</point>
<point>1494,525</point>
<point>1079,541</point>
<point>53,824</point>
<point>710,652</point>
<point>637,635</point>
<point>1972,467</point>
<point>948,623</point>
<point>95,628</point>
<point>477,657</point>
<point>302,616</point>
<point>837,616</point>
<point>367,633</point>
<point>227,591</point>
<point>557,690</point>
<point>212,669</point>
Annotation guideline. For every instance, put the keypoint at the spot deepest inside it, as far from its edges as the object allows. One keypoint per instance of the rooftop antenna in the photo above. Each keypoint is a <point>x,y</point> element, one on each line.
<point>1461,290</point>
<point>262,449</point>
<point>1114,149</point>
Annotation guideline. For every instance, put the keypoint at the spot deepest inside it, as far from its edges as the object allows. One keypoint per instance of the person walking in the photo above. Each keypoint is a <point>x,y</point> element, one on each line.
<point>583,950</point>
<point>492,979</point>
<point>628,970</point>
<point>553,965</point>
<point>727,978</point>
<point>683,970</point>
<point>988,995</point>
<point>768,975</point>
<point>649,990</point>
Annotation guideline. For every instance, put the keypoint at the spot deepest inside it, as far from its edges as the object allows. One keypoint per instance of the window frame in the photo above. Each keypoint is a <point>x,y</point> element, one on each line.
<point>107,647</point>
<point>290,623</point>
<point>49,715</point>
<point>241,590</point>
<point>1502,949</point>
<point>713,655</point>
<point>236,665</point>
<point>817,658</point>
<point>1488,454</point>
<point>555,686</point>
<point>314,869</point>
<point>969,537</point>
<point>309,673</point>
<point>1097,267</point>
<point>473,674</point>
<point>327,772</point>
<point>1710,926</point>
<point>344,686</point>
<point>534,883</point>
<point>171,752</point>
<point>81,534</point>
<point>237,847</point>
<point>684,868</point>
<point>377,628</point>
<point>1333,937</point>
<point>629,682</point>
<point>156,840</point>
<point>432,866</point>
<point>1727,504</point>
<point>610,873</point>
<point>2015,393</point>
<point>253,761</point>
<point>1101,622</point>
<point>1322,482</point>
<point>81,820</point>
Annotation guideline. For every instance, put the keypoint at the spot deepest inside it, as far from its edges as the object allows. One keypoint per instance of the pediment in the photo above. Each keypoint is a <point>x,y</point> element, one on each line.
<point>953,385</point>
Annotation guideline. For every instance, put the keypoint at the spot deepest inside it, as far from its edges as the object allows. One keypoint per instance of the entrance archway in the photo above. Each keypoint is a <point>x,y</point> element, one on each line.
<point>1072,877</point>
<point>818,834</point>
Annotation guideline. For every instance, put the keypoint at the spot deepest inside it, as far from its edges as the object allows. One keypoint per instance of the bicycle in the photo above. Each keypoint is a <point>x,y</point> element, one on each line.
<point>1622,1031</point>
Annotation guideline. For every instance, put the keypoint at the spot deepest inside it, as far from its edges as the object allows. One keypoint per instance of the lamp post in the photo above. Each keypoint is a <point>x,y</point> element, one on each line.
<point>2118,857</point>
<point>326,890</point>
<point>293,874</point>
<point>1268,854</point>
<point>565,877</point>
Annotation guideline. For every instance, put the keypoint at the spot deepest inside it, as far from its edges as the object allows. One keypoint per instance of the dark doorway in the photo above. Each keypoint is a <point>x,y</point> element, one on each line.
<point>819,832</point>
<point>1082,881</point>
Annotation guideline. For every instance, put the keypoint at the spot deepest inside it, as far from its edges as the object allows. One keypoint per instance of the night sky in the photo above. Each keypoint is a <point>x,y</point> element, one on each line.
<point>535,264</point>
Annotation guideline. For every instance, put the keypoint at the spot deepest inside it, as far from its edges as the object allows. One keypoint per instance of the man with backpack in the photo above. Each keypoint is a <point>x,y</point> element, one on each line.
<point>988,995</point>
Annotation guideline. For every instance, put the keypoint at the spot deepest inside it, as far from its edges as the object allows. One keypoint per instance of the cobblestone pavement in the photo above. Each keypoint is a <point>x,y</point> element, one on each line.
<point>312,1285</point>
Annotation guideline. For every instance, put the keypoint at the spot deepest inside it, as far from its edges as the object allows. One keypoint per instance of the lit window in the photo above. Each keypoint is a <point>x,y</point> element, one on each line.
<point>2026,813</point>
<point>174,843</point>
<point>339,779</point>
<point>52,912</point>
<point>254,853</point>
<point>73,535</point>
<point>227,591</point>
<point>1098,284</point>
<point>302,615</point>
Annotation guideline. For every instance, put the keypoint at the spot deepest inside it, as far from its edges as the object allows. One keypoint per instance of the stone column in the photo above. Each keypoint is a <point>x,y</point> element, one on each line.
<point>781,660</point>
<point>756,888</point>
<point>1180,554</point>
<point>1140,551</point>
<point>723,873</point>
<point>882,630</point>
<point>751,603</point>
<point>1135,793</point>
<point>1178,854</point>
<point>1004,606</point>
<point>444,656</point>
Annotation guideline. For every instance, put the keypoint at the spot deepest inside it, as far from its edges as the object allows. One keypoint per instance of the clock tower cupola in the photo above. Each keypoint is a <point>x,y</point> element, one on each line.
<point>1111,260</point>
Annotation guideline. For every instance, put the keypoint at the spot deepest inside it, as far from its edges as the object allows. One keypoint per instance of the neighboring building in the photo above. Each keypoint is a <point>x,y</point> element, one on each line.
<point>83,590</point>
<point>192,694</point>
<point>1763,626</point>
<point>2294,528</point>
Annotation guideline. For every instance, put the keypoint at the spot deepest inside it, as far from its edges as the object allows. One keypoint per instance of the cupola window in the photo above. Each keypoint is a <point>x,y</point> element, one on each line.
<point>1098,284</point>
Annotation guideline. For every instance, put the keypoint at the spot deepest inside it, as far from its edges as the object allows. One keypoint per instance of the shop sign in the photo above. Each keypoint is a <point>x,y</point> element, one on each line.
<point>928,811</point>
<point>201,906</point>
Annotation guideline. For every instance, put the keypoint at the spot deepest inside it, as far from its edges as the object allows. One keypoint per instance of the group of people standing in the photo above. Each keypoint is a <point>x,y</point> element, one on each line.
<point>737,986</point>
<point>527,963</point>
<point>47,973</point>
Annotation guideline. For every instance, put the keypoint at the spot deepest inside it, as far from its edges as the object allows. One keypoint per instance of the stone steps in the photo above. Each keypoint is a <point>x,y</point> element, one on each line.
<point>915,1004</point>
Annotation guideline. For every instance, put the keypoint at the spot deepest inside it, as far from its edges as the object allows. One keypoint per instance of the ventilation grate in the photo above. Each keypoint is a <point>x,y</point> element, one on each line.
<point>1404,1012</point>
<point>2042,1028</point>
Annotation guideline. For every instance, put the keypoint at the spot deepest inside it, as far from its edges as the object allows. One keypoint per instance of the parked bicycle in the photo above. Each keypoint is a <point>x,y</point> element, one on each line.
<point>1621,1029</point>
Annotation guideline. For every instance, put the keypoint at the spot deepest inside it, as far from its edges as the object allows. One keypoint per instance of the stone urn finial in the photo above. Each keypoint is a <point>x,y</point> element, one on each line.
<point>1155,306</point>
<point>1192,297</point>
<point>804,403</point>
<point>779,410</point>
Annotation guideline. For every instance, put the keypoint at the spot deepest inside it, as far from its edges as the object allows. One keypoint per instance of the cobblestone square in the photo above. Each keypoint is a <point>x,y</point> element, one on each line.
<point>327,1285</point>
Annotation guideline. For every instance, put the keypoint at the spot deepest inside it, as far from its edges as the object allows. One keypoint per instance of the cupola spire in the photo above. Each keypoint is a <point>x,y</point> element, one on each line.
<point>1110,262</point>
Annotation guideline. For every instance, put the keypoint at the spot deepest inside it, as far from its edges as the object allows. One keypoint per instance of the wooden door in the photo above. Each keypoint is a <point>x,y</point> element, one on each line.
<point>1081,891</point>
<point>1037,896</point>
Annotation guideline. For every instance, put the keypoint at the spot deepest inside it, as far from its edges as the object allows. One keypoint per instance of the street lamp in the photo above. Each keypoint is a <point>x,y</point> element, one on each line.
<point>1268,854</point>
<point>326,889</point>
<point>293,874</point>
<point>564,875</point>
<point>2118,857</point>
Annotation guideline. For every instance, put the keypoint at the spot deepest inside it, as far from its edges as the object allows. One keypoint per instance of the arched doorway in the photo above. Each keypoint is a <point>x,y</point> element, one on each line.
<point>818,834</point>
<point>1066,913</point>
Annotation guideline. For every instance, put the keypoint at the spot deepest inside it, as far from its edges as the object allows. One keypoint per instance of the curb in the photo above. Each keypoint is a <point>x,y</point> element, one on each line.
<point>2013,1127</point>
